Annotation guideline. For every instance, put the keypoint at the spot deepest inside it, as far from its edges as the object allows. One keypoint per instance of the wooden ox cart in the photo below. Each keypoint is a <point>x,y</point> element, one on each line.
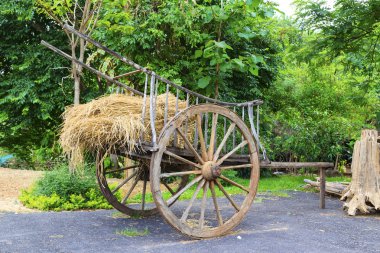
<point>200,148</point>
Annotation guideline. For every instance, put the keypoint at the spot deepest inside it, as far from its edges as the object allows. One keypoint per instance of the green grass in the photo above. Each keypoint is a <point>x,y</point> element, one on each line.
<point>274,186</point>
<point>278,185</point>
<point>131,232</point>
<point>282,183</point>
<point>119,215</point>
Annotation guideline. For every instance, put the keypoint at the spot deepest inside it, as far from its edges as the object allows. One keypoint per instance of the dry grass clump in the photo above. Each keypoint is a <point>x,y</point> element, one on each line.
<point>109,122</point>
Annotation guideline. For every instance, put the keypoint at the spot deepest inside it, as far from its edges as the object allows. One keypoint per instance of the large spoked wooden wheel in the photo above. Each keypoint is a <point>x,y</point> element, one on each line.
<point>213,156</point>
<point>123,181</point>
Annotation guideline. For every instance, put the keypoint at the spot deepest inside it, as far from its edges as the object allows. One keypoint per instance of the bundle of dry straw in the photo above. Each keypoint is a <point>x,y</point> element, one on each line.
<point>109,122</point>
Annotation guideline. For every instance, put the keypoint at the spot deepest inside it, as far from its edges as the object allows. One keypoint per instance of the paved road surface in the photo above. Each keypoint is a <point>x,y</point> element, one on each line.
<point>294,224</point>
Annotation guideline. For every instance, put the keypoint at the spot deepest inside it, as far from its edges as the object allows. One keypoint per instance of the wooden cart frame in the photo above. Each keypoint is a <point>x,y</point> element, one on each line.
<point>197,147</point>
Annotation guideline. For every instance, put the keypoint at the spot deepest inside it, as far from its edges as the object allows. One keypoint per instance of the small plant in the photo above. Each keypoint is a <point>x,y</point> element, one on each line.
<point>119,215</point>
<point>64,183</point>
<point>280,194</point>
<point>60,190</point>
<point>342,167</point>
<point>132,232</point>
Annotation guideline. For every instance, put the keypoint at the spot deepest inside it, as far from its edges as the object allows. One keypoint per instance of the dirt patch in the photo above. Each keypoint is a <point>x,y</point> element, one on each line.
<point>12,181</point>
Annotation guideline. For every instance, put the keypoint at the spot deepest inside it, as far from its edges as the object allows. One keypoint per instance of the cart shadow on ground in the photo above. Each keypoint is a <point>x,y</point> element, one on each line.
<point>272,225</point>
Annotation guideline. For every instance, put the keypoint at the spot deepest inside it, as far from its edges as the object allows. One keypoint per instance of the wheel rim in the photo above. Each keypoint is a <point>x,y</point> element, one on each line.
<point>124,193</point>
<point>209,168</point>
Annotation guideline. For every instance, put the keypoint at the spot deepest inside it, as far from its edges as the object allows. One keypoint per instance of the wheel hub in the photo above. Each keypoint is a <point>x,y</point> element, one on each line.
<point>210,170</point>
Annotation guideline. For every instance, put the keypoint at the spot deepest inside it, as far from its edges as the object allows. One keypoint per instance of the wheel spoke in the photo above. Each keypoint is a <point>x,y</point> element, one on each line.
<point>179,193</point>
<point>188,144</point>
<point>213,135</point>
<point>124,182</point>
<point>203,205</point>
<point>143,194</point>
<point>229,131</point>
<point>221,160</point>
<point>181,173</point>
<point>168,187</point>
<point>184,160</point>
<point>201,138</point>
<point>234,183</point>
<point>227,195</point>
<point>130,190</point>
<point>120,169</point>
<point>218,215</point>
<point>241,166</point>
<point>186,213</point>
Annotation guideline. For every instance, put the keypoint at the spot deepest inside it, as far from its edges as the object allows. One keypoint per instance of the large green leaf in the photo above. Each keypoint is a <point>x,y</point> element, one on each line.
<point>222,44</point>
<point>204,82</point>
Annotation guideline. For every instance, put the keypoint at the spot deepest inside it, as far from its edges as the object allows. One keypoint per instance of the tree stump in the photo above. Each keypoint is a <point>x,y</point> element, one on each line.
<point>363,194</point>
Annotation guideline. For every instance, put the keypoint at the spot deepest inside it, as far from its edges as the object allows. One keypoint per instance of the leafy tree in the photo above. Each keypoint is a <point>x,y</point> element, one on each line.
<point>34,87</point>
<point>317,107</point>
<point>316,113</point>
<point>205,45</point>
<point>33,90</point>
<point>349,32</point>
<point>319,80</point>
<point>83,16</point>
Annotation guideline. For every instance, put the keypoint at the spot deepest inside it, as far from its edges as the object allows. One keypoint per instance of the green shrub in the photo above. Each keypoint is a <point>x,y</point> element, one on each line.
<point>60,190</point>
<point>64,183</point>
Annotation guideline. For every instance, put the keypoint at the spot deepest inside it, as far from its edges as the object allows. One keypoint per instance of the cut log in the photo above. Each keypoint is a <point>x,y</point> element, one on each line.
<point>363,194</point>
<point>334,188</point>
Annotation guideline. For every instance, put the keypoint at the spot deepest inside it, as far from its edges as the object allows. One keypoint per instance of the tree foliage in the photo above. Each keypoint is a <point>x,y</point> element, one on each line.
<point>314,114</point>
<point>81,15</point>
<point>321,99</point>
<point>32,91</point>
<point>317,75</point>
<point>349,32</point>
<point>204,46</point>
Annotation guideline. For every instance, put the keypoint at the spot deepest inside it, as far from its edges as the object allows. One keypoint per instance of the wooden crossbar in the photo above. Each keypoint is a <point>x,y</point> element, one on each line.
<point>127,74</point>
<point>295,165</point>
<point>322,166</point>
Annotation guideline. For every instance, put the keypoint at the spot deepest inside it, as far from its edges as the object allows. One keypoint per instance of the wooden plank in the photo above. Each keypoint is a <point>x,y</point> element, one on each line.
<point>322,187</point>
<point>127,74</point>
<point>331,187</point>
<point>296,165</point>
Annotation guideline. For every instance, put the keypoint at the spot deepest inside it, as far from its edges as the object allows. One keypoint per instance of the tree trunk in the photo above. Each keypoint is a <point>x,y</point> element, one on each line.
<point>363,194</point>
<point>76,85</point>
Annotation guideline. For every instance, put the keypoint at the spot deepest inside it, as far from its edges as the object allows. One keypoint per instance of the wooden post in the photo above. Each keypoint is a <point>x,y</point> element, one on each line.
<point>322,191</point>
<point>127,162</point>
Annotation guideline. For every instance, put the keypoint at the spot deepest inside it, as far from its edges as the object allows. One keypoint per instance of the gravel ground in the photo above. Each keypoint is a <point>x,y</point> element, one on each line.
<point>294,224</point>
<point>12,181</point>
